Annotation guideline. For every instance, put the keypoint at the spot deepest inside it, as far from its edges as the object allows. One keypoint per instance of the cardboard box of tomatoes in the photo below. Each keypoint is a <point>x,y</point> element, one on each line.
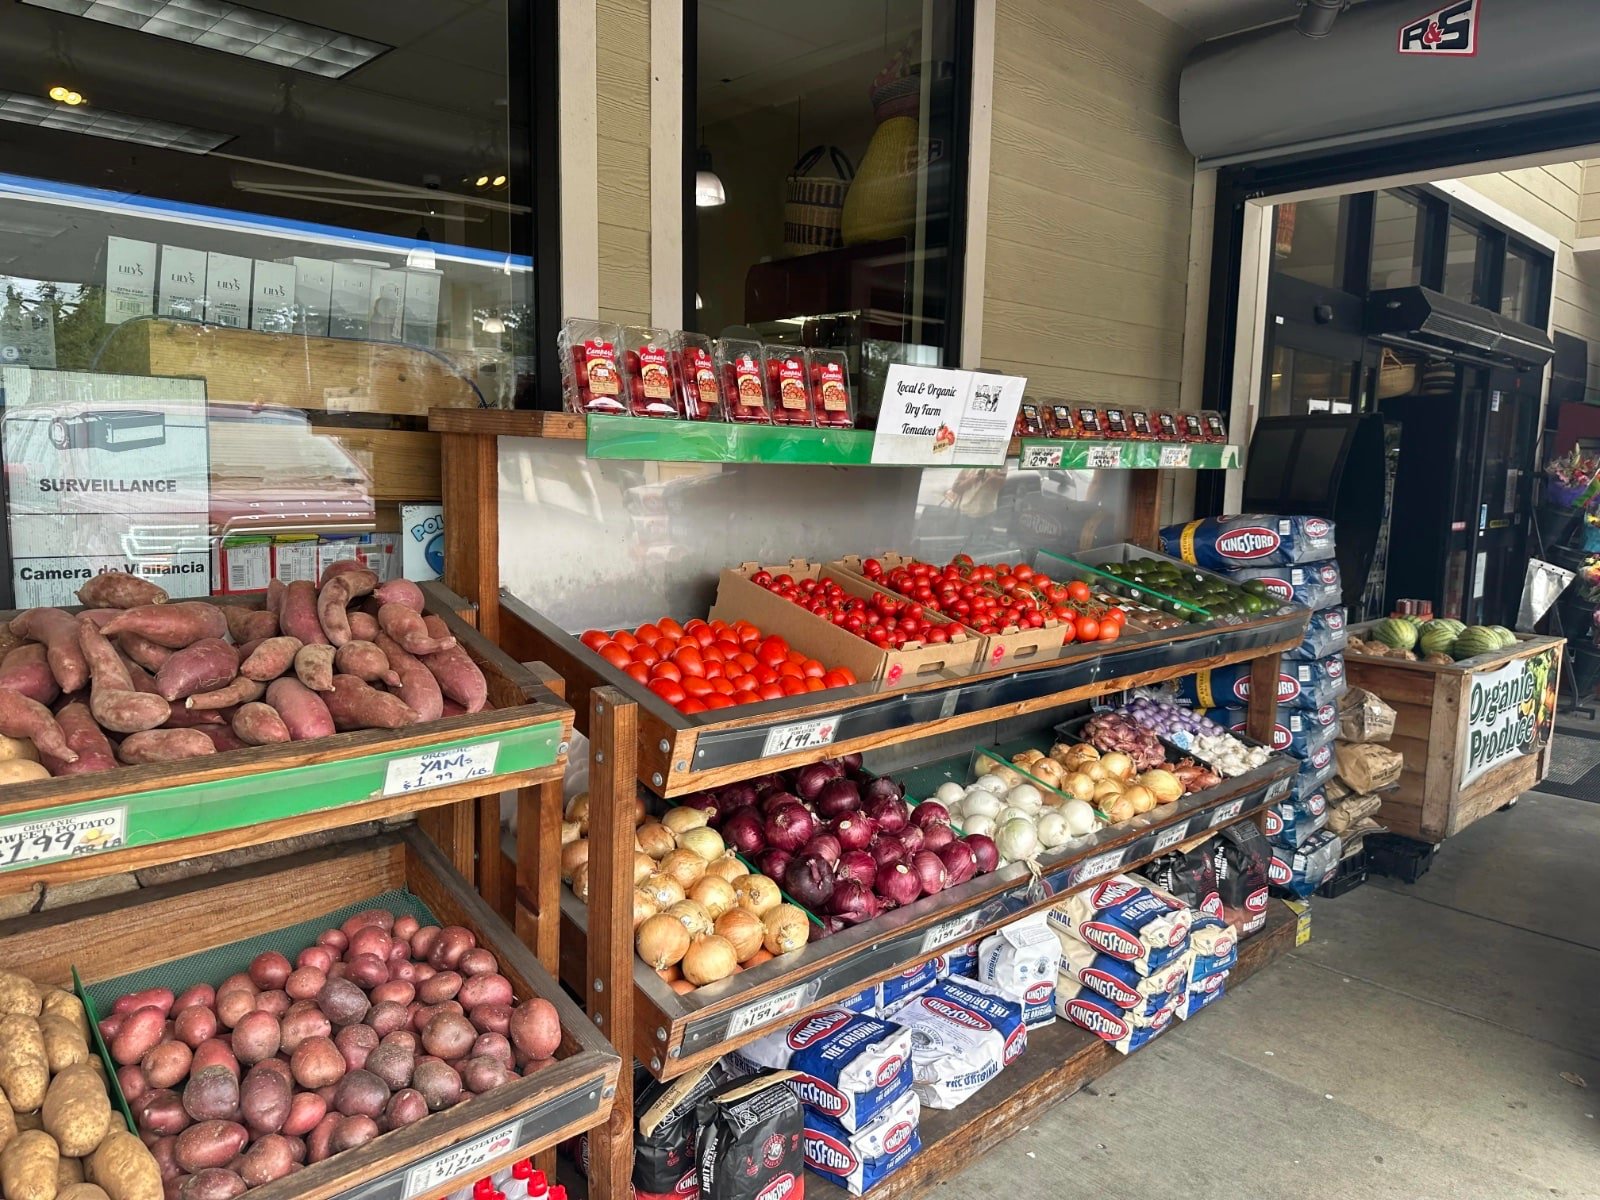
<point>1034,636</point>
<point>785,610</point>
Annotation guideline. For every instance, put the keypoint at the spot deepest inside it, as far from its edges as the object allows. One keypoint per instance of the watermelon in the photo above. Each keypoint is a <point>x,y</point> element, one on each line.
<point>1454,626</point>
<point>1475,640</point>
<point>1395,633</point>
<point>1507,638</point>
<point>1413,620</point>
<point>1437,638</point>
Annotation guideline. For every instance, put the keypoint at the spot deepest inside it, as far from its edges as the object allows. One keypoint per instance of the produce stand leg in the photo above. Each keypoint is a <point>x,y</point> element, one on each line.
<point>1144,508</point>
<point>538,920</point>
<point>453,828</point>
<point>1262,713</point>
<point>613,749</point>
<point>471,473</point>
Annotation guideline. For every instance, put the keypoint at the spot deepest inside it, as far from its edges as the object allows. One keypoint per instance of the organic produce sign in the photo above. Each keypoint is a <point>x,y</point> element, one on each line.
<point>1510,713</point>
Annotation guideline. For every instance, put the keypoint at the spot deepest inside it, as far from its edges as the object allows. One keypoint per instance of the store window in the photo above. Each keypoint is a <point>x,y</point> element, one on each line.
<point>1301,382</point>
<point>1523,287</point>
<point>1399,241</point>
<point>1309,240</point>
<point>827,201</point>
<point>247,249</point>
<point>1465,255</point>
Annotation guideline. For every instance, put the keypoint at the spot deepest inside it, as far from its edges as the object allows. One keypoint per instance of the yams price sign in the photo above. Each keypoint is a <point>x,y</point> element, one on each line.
<point>439,768</point>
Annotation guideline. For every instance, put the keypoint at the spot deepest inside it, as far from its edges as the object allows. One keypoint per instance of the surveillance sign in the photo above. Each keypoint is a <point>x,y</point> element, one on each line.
<point>105,473</point>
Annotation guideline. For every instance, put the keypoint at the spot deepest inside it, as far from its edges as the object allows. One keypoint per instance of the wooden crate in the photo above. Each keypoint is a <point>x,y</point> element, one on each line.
<point>1434,728</point>
<point>108,939</point>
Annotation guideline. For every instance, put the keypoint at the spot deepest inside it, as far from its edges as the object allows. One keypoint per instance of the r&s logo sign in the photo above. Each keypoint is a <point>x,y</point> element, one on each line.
<point>1451,30</point>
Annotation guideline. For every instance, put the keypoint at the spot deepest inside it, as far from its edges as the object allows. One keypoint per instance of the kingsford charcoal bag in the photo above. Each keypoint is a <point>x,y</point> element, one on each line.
<point>848,1067</point>
<point>1326,634</point>
<point>1313,585</point>
<point>1221,543</point>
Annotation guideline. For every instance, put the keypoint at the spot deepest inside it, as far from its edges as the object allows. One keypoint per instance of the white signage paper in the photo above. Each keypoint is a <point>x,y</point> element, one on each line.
<point>922,410</point>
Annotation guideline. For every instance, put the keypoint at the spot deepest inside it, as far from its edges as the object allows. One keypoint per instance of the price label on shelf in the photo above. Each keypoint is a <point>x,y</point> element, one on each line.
<point>1176,456</point>
<point>1278,790</point>
<point>1101,864</point>
<point>774,1007</point>
<point>469,1158</point>
<point>438,768</point>
<point>802,735</point>
<point>27,843</point>
<point>1102,458</point>
<point>1040,458</point>
<point>1171,836</point>
<point>954,930</point>
<point>1227,812</point>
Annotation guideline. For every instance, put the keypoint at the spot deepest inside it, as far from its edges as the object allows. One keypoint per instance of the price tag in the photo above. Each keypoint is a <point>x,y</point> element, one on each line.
<point>954,930</point>
<point>1171,836</point>
<point>1102,458</point>
<point>772,1008</point>
<point>437,768</point>
<point>1040,458</point>
<point>802,735</point>
<point>1101,864</point>
<point>1176,456</point>
<point>1227,812</point>
<point>1278,790</point>
<point>469,1158</point>
<point>49,838</point>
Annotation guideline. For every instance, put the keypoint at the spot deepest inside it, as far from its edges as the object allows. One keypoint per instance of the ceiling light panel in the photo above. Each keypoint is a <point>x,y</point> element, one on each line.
<point>232,29</point>
<point>100,122</point>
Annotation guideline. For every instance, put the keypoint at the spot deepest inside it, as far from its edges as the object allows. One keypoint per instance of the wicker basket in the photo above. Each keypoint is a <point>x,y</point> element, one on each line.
<point>1396,377</point>
<point>813,209</point>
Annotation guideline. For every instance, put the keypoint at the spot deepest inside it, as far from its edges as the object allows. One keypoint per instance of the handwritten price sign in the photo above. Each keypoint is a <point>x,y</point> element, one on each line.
<point>440,768</point>
<point>762,1012</point>
<point>467,1159</point>
<point>1227,812</point>
<point>1175,456</point>
<point>1101,864</point>
<point>1171,836</point>
<point>953,930</point>
<point>1103,458</point>
<point>27,843</point>
<point>802,735</point>
<point>1040,458</point>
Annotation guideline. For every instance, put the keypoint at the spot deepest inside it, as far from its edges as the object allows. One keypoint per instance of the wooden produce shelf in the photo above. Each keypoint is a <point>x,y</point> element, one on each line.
<point>1061,1059</point>
<point>674,1033</point>
<point>233,915</point>
<point>85,826</point>
<point>680,754</point>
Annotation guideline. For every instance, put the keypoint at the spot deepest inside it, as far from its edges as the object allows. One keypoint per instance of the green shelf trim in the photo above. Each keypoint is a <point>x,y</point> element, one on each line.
<point>649,440</point>
<point>1047,454</point>
<point>190,810</point>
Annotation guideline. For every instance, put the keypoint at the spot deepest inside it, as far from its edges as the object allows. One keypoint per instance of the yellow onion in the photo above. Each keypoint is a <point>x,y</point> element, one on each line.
<point>644,907</point>
<point>709,959</point>
<point>1024,757</point>
<point>571,831</point>
<point>1117,765</point>
<point>1078,785</point>
<point>681,820</point>
<point>573,856</point>
<point>1142,798</point>
<point>662,941</point>
<point>1164,785</point>
<point>687,867</point>
<point>1075,758</point>
<point>1095,771</point>
<point>1047,770</point>
<point>578,810</point>
<point>1120,811</point>
<point>663,889</point>
<point>787,929</point>
<point>643,865</point>
<point>727,867</point>
<point>713,894</point>
<point>656,839</point>
<point>640,813</point>
<point>580,882</point>
<point>757,893</point>
<point>704,841</point>
<point>1107,788</point>
<point>744,929</point>
<point>695,918</point>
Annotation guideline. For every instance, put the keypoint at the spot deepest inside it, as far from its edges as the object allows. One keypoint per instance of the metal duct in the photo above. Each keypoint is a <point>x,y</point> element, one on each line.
<point>1394,69</point>
<point>1423,319</point>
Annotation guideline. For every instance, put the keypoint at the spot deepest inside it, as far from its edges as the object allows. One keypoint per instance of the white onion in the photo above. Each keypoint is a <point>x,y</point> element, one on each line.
<point>1053,830</point>
<point>978,824</point>
<point>1026,797</point>
<point>949,793</point>
<point>991,783</point>
<point>1079,816</point>
<point>1016,814</point>
<point>981,804</point>
<point>1016,840</point>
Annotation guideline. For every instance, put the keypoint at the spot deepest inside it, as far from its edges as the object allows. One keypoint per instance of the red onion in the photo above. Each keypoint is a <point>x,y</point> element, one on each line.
<point>809,779</point>
<point>853,901</point>
<point>911,838</point>
<point>936,837</point>
<point>773,863</point>
<point>897,883</point>
<point>850,762</point>
<point>882,786</point>
<point>929,870</point>
<point>854,832</point>
<point>857,865</point>
<point>889,812</point>
<point>886,850</point>
<point>790,826</point>
<point>809,879</point>
<point>745,831</point>
<point>837,797</point>
<point>984,850</point>
<point>705,801</point>
<point>737,795</point>
<point>777,799</point>
<point>960,863</point>
<point>930,812</point>
<point>824,845</point>
<point>831,925</point>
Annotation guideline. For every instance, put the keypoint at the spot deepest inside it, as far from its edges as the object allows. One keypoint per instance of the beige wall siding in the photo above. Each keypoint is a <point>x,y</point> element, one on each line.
<point>1090,202</point>
<point>622,35</point>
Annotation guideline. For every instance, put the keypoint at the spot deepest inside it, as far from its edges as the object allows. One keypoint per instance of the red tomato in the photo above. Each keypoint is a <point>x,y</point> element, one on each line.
<point>614,654</point>
<point>666,669</point>
<point>937,635</point>
<point>793,687</point>
<point>670,628</point>
<point>703,635</point>
<point>835,678</point>
<point>1110,631</point>
<point>648,633</point>
<point>789,670</point>
<point>668,690</point>
<point>1078,590</point>
<point>625,639</point>
<point>744,683</point>
<point>770,691</point>
<point>1070,629</point>
<point>729,650</point>
<point>594,639</point>
<point>691,706</point>
<point>720,687</point>
<point>717,700</point>
<point>748,661</point>
<point>814,684</point>
<point>714,669</point>
<point>1088,629</point>
<point>849,675</point>
<point>764,673</point>
<point>689,661</point>
<point>638,671</point>
<point>872,568</point>
<point>773,651</point>
<point>697,687</point>
<point>645,653</point>
<point>812,669</point>
<point>744,698</point>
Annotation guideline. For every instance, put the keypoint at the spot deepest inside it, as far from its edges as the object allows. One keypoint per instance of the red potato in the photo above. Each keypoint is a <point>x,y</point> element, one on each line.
<point>298,615</point>
<point>172,625</point>
<point>405,970</point>
<point>399,951</point>
<point>491,1018</point>
<point>143,651</point>
<point>212,1183</point>
<point>343,1001</point>
<point>195,1025</point>
<point>316,1062</point>
<point>270,658</point>
<point>162,1150</point>
<point>335,597</point>
<point>478,961</point>
<point>204,666</point>
<point>361,1094</point>
<point>422,940</point>
<point>482,1074</point>
<point>353,1132</point>
<point>249,624</point>
<point>438,1082</point>
<point>485,989</point>
<point>270,1158</point>
<point>110,1024</point>
<point>439,988</point>
<point>235,1004</point>
<point>494,1045</point>
<point>201,995</point>
<point>369,939</point>
<point>302,710</point>
<point>448,1035</point>
<point>118,589</point>
<point>452,944</point>
<point>319,956</point>
<point>161,1113</point>
<point>59,633</point>
<point>319,1142</point>
<point>304,983</point>
<point>305,1110</point>
<point>213,1052</point>
<point>402,1037</point>
<point>366,970</point>
<point>240,691</point>
<point>210,1144</point>
<point>133,1083</point>
<point>313,666</point>
<point>378,918</point>
<point>274,1000</point>
<point>269,969</point>
<point>365,661</point>
<point>423,1013</point>
<point>387,1016</point>
<point>141,1030</point>
<point>212,1094</point>
<point>167,1064</point>
<point>536,1028</point>
<point>266,1098</point>
<point>405,1107</point>
<point>357,705</point>
<point>257,724</point>
<point>336,940</point>
<point>222,738</point>
<point>416,684</point>
<point>256,1037</point>
<point>460,679</point>
<point>165,745</point>
<point>402,592</point>
<point>395,991</point>
<point>26,670</point>
<point>24,718</point>
<point>356,1043</point>
<point>85,737</point>
<point>302,1023</point>
<point>411,631</point>
<point>404,927</point>
<point>393,1064</point>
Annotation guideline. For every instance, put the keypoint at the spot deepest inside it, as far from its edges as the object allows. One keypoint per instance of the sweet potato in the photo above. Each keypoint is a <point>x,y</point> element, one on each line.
<point>335,597</point>
<point>257,724</point>
<point>364,626</point>
<point>118,589</point>
<point>114,700</point>
<point>302,710</point>
<point>143,651</point>
<point>338,567</point>
<point>124,1168</point>
<point>222,738</point>
<point>298,615</point>
<point>204,666</point>
<point>365,661</point>
<point>28,1166</point>
<point>231,695</point>
<point>24,718</point>
<point>210,1144</point>
<point>59,633</point>
<point>172,625</point>
<point>460,679</point>
<point>77,1110</point>
<point>357,705</point>
<point>313,666</point>
<point>248,624</point>
<point>26,669</point>
<point>400,591</point>
<point>165,745</point>
<point>416,686</point>
<point>408,628</point>
<point>87,740</point>
<point>270,659</point>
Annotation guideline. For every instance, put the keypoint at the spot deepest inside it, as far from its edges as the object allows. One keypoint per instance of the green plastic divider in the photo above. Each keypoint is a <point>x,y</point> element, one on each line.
<point>104,1051</point>
<point>651,440</point>
<point>189,810</point>
<point>1046,454</point>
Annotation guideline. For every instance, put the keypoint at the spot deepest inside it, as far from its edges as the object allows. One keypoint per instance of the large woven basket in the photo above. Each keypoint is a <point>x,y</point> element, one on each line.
<point>813,209</point>
<point>1396,377</point>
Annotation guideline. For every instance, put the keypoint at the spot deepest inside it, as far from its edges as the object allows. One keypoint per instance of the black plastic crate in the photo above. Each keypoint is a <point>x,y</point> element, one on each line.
<point>1399,857</point>
<point>1352,873</point>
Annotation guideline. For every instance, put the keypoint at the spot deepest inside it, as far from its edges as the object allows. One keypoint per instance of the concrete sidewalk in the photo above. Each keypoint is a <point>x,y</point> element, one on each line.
<point>1414,1050</point>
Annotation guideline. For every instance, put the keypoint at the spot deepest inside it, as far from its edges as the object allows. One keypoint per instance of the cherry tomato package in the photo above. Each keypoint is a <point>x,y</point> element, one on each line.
<point>699,393</point>
<point>752,1141</point>
<point>789,386</point>
<point>1114,421</point>
<point>1059,420</point>
<point>828,376</point>
<point>592,379</point>
<point>1030,419</point>
<point>1167,426</point>
<point>744,381</point>
<point>1141,427</point>
<point>650,362</point>
<point>1215,429</point>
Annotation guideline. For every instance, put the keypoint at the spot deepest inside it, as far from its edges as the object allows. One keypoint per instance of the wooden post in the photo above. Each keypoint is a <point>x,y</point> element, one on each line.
<point>1144,508</point>
<point>538,917</point>
<point>613,750</point>
<point>1262,713</point>
<point>471,466</point>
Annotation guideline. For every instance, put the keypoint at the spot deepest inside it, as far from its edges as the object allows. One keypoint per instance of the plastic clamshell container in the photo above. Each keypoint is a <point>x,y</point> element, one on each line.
<point>1030,419</point>
<point>742,367</point>
<point>828,376</point>
<point>1192,427</point>
<point>649,361</point>
<point>1114,420</point>
<point>1089,421</point>
<point>1059,420</point>
<point>699,392</point>
<point>1167,426</point>
<point>1215,429</point>
<point>1141,428</point>
<point>788,386</point>
<point>592,379</point>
